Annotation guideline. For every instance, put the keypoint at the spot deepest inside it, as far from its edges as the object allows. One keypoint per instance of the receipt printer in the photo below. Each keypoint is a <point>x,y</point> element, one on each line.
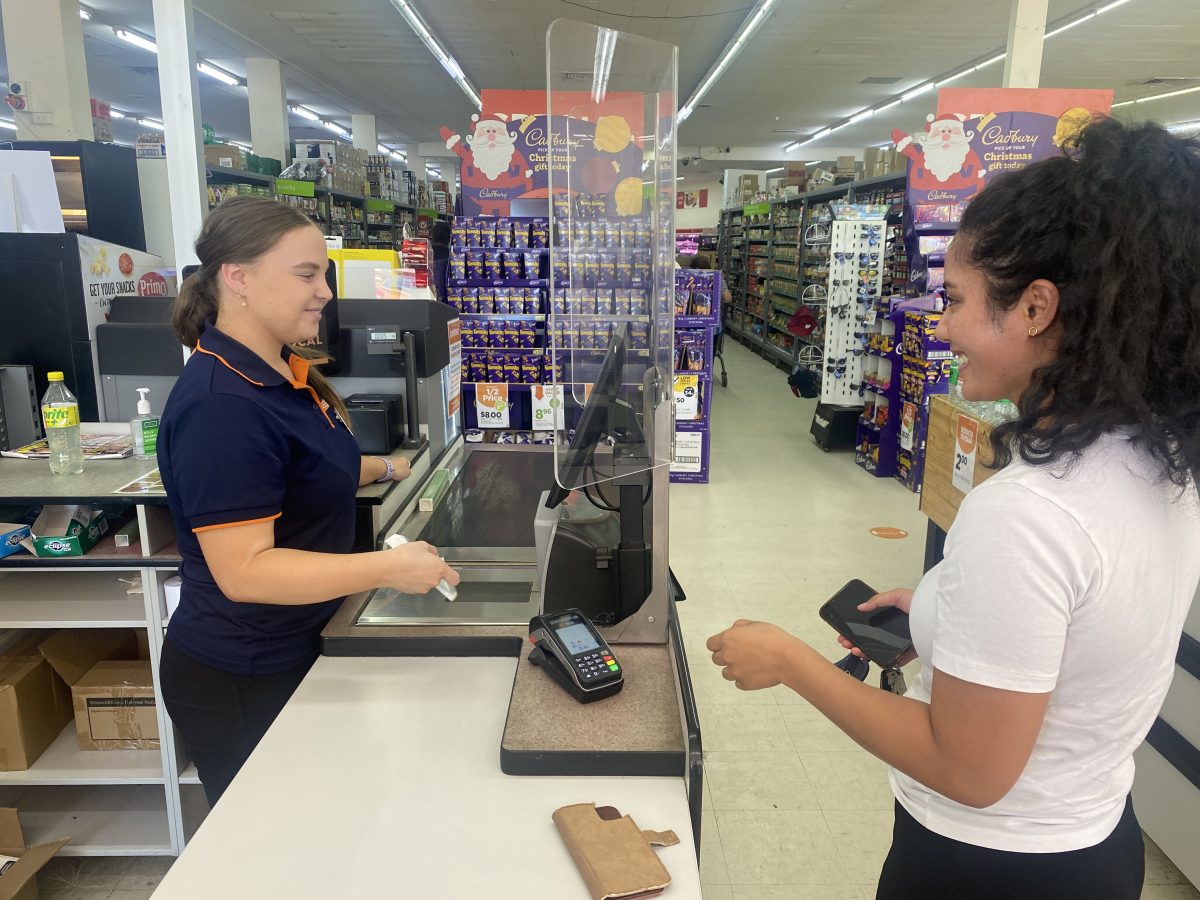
<point>378,421</point>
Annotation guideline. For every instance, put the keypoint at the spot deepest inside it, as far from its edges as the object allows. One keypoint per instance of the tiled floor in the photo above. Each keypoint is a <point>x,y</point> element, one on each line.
<point>792,809</point>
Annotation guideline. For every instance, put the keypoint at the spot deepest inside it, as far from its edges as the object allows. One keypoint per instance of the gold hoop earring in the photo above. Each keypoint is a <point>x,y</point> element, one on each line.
<point>1033,329</point>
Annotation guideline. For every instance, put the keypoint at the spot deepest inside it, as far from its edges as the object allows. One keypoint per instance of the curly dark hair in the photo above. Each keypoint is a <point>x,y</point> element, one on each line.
<point>1114,223</point>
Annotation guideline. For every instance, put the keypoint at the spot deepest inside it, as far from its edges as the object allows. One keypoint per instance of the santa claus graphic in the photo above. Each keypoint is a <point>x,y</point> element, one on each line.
<point>945,160</point>
<point>492,165</point>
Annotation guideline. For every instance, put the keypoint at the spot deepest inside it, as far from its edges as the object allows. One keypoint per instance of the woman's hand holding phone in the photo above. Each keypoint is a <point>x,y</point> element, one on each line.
<point>901,599</point>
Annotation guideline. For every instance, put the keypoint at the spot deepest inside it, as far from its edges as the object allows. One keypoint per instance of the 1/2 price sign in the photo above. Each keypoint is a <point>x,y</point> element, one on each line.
<point>491,405</point>
<point>966,446</point>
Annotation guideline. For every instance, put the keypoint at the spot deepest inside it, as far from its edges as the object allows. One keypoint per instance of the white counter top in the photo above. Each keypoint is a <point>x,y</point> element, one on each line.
<point>381,778</point>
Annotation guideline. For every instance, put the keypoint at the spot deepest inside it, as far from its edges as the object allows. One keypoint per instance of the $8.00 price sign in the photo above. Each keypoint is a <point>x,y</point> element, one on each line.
<point>491,405</point>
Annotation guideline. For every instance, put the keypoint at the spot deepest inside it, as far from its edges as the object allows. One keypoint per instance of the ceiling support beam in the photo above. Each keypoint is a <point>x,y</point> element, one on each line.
<point>1026,36</point>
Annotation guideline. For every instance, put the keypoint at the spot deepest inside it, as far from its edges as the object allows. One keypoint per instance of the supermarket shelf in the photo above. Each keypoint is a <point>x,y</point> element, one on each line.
<point>68,599</point>
<point>780,329</point>
<point>101,820</point>
<point>105,555</point>
<point>225,175</point>
<point>189,775</point>
<point>780,293</point>
<point>785,355</point>
<point>64,763</point>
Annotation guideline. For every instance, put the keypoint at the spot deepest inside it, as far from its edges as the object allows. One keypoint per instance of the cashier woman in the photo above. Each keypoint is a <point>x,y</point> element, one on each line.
<point>261,472</point>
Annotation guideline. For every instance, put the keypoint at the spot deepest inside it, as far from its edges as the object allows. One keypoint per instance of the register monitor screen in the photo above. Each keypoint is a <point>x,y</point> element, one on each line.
<point>594,424</point>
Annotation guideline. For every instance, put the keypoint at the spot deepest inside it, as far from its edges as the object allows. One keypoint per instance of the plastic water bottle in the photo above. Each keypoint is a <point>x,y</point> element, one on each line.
<point>60,415</point>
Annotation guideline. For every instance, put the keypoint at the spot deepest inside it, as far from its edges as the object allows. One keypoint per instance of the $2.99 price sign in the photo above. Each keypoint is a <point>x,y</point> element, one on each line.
<point>491,405</point>
<point>966,445</point>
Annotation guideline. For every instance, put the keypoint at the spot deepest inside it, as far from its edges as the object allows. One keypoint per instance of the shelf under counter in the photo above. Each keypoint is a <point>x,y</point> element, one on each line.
<point>69,599</point>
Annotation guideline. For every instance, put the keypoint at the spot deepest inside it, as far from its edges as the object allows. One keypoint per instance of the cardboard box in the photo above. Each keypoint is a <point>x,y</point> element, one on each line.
<point>73,652</point>
<point>115,707</point>
<point>35,706</point>
<point>227,156</point>
<point>940,499</point>
<point>11,537</point>
<point>66,531</point>
<point>845,165</point>
<point>18,873</point>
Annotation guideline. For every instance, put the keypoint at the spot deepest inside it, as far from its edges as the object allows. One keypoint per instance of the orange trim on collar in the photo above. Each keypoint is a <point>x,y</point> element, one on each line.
<point>299,366</point>
<point>225,362</point>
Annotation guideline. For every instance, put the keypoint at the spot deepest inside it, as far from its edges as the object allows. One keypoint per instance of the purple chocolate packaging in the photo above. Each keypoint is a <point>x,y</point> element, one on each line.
<point>510,330</point>
<point>585,337</point>
<point>605,305</point>
<point>520,234</point>
<point>558,301</point>
<point>470,301</point>
<point>539,233</point>
<point>477,365</point>
<point>486,301</point>
<point>458,233</point>
<point>472,232</point>
<point>487,232</point>
<point>492,266</point>
<point>639,335</point>
<point>606,267</point>
<point>562,268</point>
<point>622,303</point>
<point>638,305</point>
<point>502,304</point>
<point>581,234</point>
<point>527,335</point>
<point>458,265</point>
<point>475,264</point>
<point>624,267</point>
<point>628,234</point>
<point>533,302</point>
<point>495,368</point>
<point>532,263</point>
<point>504,233</point>
<point>512,369</point>
<point>531,369</point>
<point>454,297</point>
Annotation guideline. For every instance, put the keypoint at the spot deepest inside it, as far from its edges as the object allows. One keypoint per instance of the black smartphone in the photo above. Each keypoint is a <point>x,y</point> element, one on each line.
<point>881,634</point>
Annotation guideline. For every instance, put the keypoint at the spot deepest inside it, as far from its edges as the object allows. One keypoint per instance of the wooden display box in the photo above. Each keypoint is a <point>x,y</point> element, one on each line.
<point>940,499</point>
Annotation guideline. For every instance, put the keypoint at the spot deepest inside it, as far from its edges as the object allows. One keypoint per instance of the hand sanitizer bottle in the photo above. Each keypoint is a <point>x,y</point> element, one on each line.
<point>144,428</point>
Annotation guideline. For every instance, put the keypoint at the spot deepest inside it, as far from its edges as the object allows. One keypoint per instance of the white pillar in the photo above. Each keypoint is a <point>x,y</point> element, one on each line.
<point>175,35</point>
<point>44,43</point>
<point>1026,34</point>
<point>364,133</point>
<point>266,88</point>
<point>416,162</point>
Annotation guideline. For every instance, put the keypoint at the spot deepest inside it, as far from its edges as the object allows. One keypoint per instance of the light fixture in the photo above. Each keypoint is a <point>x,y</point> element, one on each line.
<point>731,50</point>
<point>1178,93</point>
<point>151,123</point>
<point>336,129</point>
<point>860,117</point>
<point>9,124</point>
<point>917,92</point>
<point>824,132</point>
<point>449,63</point>
<point>85,13</point>
<point>304,113</point>
<point>218,74</point>
<point>240,145</point>
<point>606,45</point>
<point>776,169</point>
<point>394,154</point>
<point>116,113</point>
<point>954,76</point>
<point>138,40</point>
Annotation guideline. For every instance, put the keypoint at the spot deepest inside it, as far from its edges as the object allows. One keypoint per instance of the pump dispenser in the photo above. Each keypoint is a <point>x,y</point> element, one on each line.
<point>144,428</point>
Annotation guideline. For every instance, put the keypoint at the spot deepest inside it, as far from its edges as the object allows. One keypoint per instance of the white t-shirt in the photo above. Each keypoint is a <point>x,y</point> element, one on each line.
<point>1073,581</point>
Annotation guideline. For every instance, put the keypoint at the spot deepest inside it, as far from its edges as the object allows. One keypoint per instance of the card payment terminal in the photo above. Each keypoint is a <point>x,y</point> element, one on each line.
<point>571,650</point>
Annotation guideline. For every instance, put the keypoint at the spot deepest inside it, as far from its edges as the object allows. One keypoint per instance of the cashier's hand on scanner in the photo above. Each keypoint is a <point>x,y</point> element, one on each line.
<point>418,568</point>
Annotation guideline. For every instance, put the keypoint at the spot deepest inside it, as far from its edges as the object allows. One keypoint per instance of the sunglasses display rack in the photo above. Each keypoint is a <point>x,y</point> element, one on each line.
<point>855,281</point>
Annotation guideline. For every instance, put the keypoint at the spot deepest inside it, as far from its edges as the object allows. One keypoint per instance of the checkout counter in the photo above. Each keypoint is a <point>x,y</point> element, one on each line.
<point>425,752</point>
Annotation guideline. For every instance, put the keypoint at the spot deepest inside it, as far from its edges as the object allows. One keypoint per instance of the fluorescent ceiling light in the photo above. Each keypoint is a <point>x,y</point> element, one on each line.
<point>1124,103</point>
<point>116,113</point>
<point>138,40</point>
<point>10,125</point>
<point>776,169</point>
<point>955,77</point>
<point>85,14</point>
<point>336,128</point>
<point>151,123</point>
<point>917,92</point>
<point>218,74</point>
<point>731,50</point>
<point>888,105</point>
<point>1179,93</point>
<point>1061,28</point>
<point>1109,6</point>
<point>990,62</point>
<point>606,45</point>
<point>860,117</point>
<point>429,39</point>
<point>304,113</point>
<point>241,146</point>
<point>397,155</point>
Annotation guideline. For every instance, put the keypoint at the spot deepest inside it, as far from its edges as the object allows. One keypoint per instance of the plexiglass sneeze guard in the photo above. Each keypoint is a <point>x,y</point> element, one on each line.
<point>611,155</point>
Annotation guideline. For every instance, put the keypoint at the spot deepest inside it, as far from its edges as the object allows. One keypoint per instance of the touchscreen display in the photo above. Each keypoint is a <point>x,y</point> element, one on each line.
<point>883,636</point>
<point>576,638</point>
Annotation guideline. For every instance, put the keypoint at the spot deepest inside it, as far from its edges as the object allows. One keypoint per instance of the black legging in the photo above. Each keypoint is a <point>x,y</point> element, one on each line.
<point>926,866</point>
<point>221,716</point>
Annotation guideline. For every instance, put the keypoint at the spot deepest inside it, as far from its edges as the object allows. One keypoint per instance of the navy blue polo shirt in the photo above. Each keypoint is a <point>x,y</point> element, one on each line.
<point>239,443</point>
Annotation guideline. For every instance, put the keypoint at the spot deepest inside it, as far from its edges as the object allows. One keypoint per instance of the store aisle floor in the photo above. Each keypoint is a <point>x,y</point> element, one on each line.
<point>793,810</point>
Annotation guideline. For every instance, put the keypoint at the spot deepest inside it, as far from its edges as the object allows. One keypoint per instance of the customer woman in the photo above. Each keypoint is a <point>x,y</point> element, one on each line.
<point>261,471</point>
<point>1048,633</point>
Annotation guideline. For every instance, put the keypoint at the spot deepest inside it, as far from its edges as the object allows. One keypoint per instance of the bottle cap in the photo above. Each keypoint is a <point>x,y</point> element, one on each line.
<point>143,406</point>
<point>54,376</point>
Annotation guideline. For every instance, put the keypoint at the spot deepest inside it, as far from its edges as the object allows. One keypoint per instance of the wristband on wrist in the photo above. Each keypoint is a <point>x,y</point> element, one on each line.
<point>389,473</point>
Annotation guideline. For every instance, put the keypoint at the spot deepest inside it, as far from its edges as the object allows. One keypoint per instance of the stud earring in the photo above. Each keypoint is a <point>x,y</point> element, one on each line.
<point>1033,329</point>
<point>242,294</point>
